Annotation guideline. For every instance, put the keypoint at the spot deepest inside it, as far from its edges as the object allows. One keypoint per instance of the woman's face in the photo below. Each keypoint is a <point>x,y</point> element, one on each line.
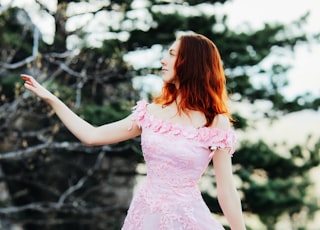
<point>168,62</point>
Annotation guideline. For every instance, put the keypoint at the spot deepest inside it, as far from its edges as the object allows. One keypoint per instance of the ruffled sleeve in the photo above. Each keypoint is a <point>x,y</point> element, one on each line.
<point>138,113</point>
<point>222,139</point>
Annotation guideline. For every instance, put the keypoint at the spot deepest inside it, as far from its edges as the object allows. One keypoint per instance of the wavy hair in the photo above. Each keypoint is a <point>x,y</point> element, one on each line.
<point>202,82</point>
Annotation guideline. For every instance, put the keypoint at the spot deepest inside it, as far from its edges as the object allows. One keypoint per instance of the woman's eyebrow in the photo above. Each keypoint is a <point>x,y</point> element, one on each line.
<point>172,50</point>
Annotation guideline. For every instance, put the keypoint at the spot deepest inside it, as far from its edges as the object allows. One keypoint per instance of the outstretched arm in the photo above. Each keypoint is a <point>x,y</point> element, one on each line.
<point>228,196</point>
<point>85,132</point>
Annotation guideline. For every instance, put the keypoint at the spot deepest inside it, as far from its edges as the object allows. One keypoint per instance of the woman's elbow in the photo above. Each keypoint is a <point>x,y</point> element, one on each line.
<point>88,143</point>
<point>89,140</point>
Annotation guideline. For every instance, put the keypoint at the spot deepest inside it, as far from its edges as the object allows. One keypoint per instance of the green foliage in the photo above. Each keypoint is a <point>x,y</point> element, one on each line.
<point>16,42</point>
<point>99,115</point>
<point>260,155</point>
<point>9,88</point>
<point>239,122</point>
<point>272,183</point>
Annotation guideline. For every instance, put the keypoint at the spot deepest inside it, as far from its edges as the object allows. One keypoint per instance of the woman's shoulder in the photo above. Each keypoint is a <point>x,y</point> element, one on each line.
<point>143,107</point>
<point>221,121</point>
<point>153,108</point>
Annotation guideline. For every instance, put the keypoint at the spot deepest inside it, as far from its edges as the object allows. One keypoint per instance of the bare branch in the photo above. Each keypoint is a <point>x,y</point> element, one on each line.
<point>30,151</point>
<point>52,206</point>
<point>62,55</point>
<point>81,182</point>
<point>70,146</point>
<point>18,64</point>
<point>34,183</point>
<point>69,70</point>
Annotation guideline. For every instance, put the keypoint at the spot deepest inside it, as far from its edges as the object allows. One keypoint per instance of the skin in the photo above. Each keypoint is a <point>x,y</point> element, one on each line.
<point>89,135</point>
<point>168,62</point>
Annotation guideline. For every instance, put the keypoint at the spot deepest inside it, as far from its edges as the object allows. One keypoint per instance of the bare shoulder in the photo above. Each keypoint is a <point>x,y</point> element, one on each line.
<point>154,108</point>
<point>221,121</point>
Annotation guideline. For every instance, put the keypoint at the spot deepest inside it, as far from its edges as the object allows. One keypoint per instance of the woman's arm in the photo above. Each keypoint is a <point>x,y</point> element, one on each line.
<point>85,132</point>
<point>228,196</point>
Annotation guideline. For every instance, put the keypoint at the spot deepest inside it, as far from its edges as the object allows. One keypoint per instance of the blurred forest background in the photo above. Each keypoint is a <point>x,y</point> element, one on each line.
<point>48,180</point>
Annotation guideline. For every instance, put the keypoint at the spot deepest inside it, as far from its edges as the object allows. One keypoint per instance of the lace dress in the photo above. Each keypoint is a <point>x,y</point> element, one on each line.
<point>176,156</point>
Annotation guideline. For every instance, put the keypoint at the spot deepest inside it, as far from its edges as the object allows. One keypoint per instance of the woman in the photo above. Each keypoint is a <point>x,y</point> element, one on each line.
<point>181,132</point>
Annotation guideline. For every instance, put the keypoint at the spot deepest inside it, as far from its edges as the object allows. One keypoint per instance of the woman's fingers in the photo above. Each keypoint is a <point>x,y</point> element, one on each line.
<point>29,80</point>
<point>26,77</point>
<point>32,85</point>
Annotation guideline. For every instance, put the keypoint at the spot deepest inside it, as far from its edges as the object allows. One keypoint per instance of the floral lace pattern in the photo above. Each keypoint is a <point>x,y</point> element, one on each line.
<point>169,197</point>
<point>214,137</point>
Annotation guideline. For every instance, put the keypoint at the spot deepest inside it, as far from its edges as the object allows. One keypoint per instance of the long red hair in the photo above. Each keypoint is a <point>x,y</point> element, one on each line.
<point>202,82</point>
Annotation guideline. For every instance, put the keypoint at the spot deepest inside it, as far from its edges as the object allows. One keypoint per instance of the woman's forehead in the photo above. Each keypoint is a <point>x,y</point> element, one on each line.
<point>175,46</point>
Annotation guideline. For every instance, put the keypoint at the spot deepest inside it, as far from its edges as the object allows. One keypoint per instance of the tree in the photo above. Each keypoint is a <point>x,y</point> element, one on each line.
<point>93,79</point>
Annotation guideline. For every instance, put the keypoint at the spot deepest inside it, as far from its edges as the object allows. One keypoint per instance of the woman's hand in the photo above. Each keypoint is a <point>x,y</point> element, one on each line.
<point>34,86</point>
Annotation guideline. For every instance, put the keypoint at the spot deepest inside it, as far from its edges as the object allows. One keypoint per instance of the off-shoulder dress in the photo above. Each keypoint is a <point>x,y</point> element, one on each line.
<point>176,156</point>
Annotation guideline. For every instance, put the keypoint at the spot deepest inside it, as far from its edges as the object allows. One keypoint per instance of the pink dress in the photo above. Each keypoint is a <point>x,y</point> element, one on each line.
<point>176,156</point>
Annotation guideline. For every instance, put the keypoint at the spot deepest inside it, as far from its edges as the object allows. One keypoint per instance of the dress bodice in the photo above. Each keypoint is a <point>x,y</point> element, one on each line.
<point>178,154</point>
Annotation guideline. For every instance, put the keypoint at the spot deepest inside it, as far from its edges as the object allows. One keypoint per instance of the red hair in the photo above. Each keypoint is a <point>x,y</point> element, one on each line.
<point>202,82</point>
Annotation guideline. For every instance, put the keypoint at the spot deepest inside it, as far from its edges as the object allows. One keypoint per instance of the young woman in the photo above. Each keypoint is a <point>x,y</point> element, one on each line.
<point>181,132</point>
